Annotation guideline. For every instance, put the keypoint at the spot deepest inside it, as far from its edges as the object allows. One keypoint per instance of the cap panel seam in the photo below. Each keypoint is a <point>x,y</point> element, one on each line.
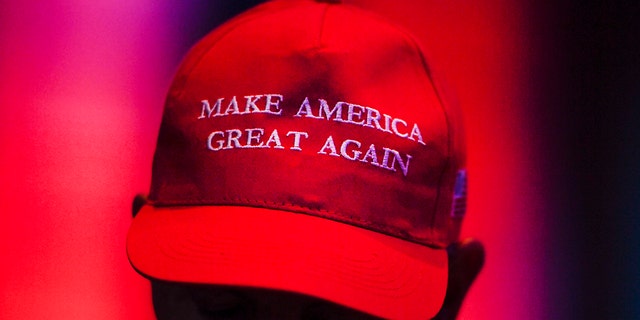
<point>447,164</point>
<point>323,23</point>
<point>347,217</point>
<point>412,41</point>
<point>220,35</point>
<point>441,104</point>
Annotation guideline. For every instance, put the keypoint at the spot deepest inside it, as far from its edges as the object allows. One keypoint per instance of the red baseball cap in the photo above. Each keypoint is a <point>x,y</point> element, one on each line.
<point>305,146</point>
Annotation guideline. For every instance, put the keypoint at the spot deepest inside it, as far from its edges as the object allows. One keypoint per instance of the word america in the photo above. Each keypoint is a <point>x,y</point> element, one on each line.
<point>355,114</point>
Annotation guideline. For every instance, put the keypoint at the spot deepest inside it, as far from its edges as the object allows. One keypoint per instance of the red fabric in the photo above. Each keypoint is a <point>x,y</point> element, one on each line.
<point>242,132</point>
<point>243,246</point>
<point>315,51</point>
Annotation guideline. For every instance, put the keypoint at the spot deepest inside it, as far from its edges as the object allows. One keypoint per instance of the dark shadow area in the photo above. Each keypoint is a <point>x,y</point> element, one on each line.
<point>589,85</point>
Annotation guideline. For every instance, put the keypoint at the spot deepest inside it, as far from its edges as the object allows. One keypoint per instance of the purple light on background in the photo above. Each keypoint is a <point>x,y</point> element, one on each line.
<point>81,96</point>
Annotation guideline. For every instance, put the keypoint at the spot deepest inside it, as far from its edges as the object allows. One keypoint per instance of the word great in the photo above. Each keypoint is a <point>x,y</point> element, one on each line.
<point>232,139</point>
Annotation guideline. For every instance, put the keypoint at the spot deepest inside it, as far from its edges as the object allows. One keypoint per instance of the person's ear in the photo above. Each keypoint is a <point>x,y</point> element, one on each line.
<point>466,259</point>
<point>138,202</point>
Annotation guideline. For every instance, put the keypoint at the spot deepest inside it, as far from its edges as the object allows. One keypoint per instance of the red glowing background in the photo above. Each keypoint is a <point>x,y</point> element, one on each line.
<point>81,92</point>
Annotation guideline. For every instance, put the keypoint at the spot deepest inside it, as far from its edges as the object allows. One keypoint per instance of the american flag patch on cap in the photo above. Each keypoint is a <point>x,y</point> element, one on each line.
<point>459,206</point>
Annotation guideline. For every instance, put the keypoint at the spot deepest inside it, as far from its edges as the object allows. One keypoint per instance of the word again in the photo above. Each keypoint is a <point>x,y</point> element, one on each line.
<point>352,150</point>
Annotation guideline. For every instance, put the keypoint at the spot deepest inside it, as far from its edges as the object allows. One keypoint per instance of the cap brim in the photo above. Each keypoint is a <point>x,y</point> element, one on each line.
<point>263,248</point>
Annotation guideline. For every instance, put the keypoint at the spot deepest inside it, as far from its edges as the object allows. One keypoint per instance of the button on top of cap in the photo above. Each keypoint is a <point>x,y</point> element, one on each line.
<point>330,1</point>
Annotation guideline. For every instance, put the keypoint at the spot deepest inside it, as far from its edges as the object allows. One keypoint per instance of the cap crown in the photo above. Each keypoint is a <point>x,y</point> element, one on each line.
<point>313,108</point>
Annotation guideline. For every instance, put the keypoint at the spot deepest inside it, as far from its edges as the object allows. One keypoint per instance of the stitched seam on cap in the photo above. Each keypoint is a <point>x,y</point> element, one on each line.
<point>230,26</point>
<point>347,217</point>
<point>412,41</point>
<point>323,23</point>
<point>441,104</point>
